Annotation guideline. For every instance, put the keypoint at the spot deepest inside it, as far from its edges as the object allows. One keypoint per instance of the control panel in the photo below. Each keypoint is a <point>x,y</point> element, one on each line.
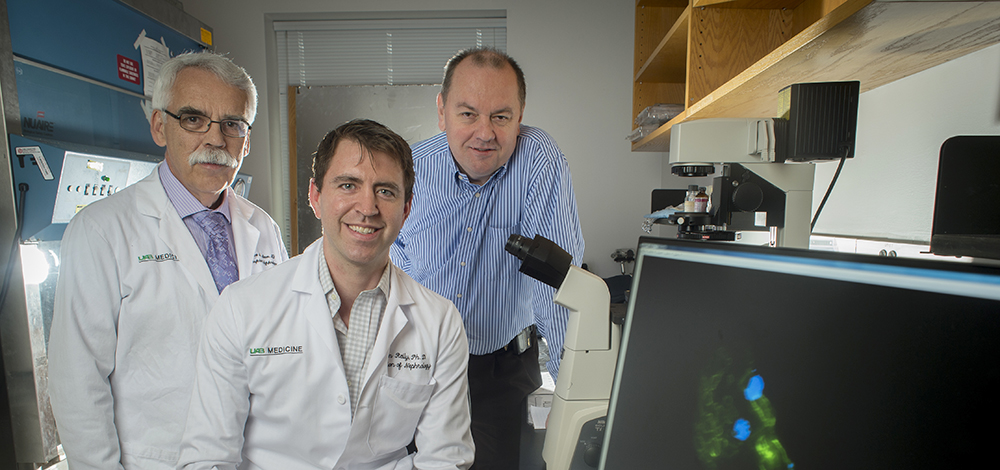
<point>60,178</point>
<point>85,179</point>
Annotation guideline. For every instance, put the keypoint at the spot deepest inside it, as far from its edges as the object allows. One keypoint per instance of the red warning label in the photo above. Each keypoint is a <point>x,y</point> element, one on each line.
<point>128,69</point>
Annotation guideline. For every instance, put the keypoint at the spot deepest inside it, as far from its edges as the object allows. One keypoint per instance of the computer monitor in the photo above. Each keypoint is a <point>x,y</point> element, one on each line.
<point>742,357</point>
<point>966,218</point>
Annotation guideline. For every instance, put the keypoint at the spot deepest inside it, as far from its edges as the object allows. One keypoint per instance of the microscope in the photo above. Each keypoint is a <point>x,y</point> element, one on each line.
<point>767,170</point>
<point>576,422</point>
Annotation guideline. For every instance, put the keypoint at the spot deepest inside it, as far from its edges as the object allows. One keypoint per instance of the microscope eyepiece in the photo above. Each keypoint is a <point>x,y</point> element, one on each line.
<point>541,258</point>
<point>518,246</point>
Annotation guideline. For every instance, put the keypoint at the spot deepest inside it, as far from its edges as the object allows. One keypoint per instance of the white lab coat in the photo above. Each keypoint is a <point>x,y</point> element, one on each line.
<point>294,399</point>
<point>133,292</point>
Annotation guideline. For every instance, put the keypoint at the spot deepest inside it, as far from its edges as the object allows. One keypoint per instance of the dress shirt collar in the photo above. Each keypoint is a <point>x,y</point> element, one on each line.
<point>182,199</point>
<point>326,279</point>
<point>462,177</point>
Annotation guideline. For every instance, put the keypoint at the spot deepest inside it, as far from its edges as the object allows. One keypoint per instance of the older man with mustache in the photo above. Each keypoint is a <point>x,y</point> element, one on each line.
<point>142,268</point>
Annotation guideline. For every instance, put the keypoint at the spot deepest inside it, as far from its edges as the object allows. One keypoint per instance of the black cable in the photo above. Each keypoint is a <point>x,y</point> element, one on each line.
<point>828,191</point>
<point>23,189</point>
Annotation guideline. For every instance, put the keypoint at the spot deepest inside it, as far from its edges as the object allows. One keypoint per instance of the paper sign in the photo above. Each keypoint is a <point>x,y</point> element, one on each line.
<point>154,54</point>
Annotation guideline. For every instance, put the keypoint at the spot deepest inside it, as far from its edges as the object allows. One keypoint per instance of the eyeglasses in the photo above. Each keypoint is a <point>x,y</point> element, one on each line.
<point>200,124</point>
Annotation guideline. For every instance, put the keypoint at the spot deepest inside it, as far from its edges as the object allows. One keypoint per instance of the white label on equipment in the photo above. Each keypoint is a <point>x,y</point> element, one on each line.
<point>36,152</point>
<point>760,219</point>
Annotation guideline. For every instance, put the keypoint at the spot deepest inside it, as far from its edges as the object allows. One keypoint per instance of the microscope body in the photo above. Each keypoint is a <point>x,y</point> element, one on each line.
<point>575,429</point>
<point>756,191</point>
<point>767,169</point>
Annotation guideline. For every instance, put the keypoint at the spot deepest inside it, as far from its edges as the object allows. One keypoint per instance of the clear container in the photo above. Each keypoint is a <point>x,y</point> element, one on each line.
<point>689,198</point>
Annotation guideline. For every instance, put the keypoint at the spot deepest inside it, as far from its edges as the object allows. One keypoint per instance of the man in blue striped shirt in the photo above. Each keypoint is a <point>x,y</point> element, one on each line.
<point>484,178</point>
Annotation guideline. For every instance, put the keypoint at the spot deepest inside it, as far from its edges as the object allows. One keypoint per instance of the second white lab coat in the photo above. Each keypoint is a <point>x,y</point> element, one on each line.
<point>271,392</point>
<point>133,292</point>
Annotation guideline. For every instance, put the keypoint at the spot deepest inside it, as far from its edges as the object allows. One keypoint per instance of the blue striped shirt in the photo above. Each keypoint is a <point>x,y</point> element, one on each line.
<point>453,241</point>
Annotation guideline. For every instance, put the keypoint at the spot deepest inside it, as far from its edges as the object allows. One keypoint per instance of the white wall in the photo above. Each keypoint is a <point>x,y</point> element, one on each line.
<point>887,191</point>
<point>577,57</point>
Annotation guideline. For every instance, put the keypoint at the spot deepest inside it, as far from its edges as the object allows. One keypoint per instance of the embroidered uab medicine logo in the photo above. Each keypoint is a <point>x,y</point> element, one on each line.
<point>276,350</point>
<point>158,258</point>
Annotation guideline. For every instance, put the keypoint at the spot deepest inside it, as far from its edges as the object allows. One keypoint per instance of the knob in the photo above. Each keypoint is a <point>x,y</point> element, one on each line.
<point>747,197</point>
<point>592,454</point>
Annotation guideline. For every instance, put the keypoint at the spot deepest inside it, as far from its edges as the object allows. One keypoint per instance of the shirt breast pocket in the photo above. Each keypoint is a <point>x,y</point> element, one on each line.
<point>504,215</point>
<point>395,413</point>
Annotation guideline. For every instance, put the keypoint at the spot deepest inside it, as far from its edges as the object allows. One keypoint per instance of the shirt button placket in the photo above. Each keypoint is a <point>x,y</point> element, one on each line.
<point>474,208</point>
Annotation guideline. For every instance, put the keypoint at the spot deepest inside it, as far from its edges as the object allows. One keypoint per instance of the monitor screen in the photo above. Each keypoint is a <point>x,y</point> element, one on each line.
<point>738,357</point>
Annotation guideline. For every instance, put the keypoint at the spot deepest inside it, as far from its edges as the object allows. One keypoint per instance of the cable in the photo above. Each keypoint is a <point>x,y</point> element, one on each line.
<point>23,189</point>
<point>828,191</point>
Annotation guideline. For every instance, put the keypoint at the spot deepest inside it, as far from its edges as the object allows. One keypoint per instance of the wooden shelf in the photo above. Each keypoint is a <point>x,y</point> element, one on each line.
<point>667,61</point>
<point>875,42</point>
<point>661,3</point>
<point>748,4</point>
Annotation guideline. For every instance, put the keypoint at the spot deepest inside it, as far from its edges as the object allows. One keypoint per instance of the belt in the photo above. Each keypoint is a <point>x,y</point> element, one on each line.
<point>521,342</point>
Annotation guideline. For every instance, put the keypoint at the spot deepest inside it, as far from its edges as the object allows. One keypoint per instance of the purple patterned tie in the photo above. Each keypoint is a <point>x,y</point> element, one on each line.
<point>217,255</point>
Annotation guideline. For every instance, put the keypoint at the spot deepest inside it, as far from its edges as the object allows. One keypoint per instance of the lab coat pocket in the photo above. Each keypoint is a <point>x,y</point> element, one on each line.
<point>395,413</point>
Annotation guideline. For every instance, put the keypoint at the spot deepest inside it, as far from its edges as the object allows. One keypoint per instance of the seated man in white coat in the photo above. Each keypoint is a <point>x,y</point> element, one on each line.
<point>336,359</point>
<point>142,268</point>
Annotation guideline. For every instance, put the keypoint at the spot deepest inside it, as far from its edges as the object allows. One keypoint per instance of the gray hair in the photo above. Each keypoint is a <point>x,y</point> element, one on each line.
<point>221,66</point>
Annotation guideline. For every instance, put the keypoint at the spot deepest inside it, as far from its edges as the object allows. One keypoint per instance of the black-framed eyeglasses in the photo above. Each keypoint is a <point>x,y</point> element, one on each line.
<point>200,124</point>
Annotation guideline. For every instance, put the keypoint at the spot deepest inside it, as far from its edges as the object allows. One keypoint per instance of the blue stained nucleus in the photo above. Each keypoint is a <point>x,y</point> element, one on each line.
<point>741,429</point>
<point>755,389</point>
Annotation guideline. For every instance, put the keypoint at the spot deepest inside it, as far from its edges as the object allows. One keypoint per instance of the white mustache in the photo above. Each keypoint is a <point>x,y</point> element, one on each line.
<point>214,156</point>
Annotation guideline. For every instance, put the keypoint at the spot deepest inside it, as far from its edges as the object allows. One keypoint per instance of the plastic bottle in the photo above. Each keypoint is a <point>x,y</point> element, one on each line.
<point>689,199</point>
<point>701,200</point>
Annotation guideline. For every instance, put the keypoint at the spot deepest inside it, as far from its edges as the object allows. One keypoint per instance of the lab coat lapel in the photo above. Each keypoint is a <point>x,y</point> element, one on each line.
<point>152,201</point>
<point>315,308</point>
<point>245,235</point>
<point>393,322</point>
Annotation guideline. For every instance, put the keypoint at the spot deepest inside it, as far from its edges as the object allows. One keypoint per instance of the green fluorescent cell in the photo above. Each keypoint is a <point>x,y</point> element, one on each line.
<point>736,421</point>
